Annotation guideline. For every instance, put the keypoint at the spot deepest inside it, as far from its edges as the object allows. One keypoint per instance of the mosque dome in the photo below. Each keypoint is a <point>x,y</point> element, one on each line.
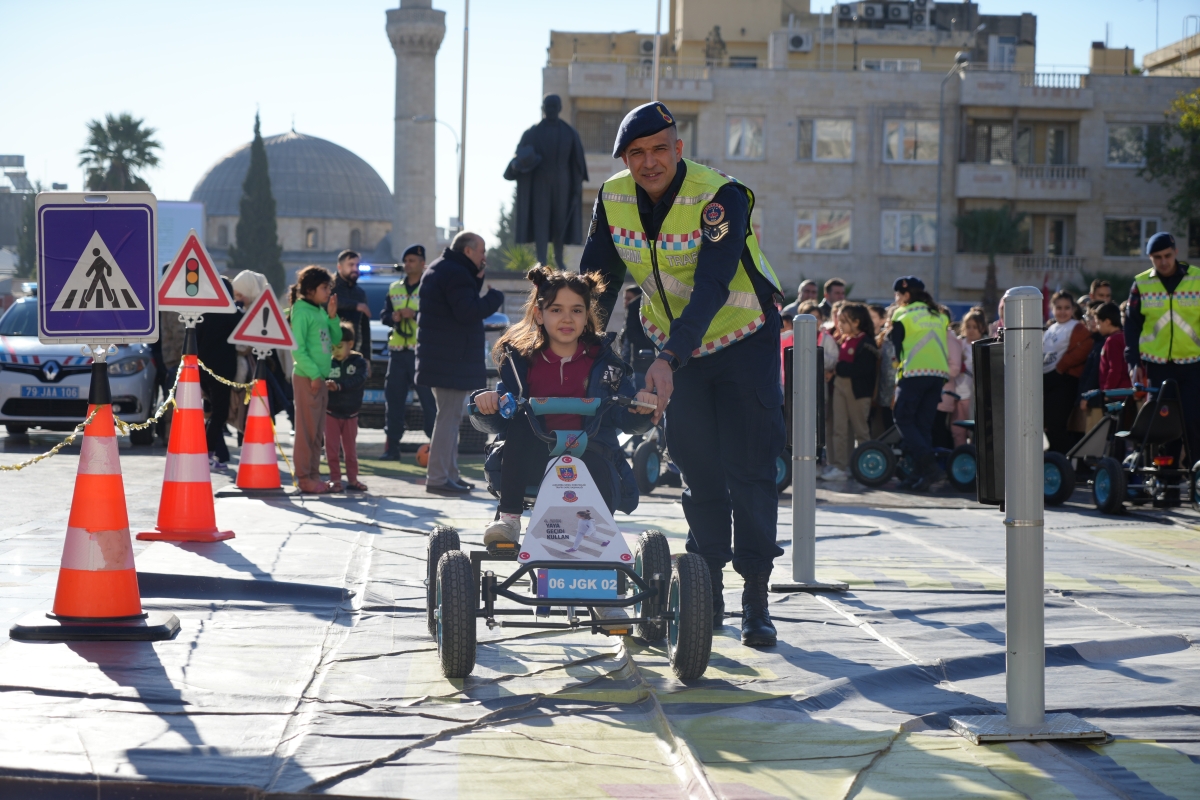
<point>311,178</point>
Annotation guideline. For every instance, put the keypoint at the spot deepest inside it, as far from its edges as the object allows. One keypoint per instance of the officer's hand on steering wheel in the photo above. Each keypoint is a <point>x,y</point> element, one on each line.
<point>661,382</point>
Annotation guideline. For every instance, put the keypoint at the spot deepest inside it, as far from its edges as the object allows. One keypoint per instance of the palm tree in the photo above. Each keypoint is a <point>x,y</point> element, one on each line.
<point>991,231</point>
<point>116,151</point>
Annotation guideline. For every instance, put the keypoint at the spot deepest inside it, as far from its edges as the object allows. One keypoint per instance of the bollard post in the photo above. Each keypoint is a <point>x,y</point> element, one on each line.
<point>1024,506</point>
<point>806,384</point>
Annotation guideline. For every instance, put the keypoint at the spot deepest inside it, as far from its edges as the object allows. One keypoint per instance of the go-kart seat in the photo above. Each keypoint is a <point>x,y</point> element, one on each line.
<point>1159,422</point>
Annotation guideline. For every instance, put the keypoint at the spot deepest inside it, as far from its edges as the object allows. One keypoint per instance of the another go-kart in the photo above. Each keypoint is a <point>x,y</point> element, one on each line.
<point>652,465</point>
<point>572,561</point>
<point>1150,473</point>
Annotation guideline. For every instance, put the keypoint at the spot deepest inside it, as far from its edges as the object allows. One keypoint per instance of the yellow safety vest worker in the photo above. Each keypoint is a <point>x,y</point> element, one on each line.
<point>923,353</point>
<point>665,268</point>
<point>404,335</point>
<point>1170,319</point>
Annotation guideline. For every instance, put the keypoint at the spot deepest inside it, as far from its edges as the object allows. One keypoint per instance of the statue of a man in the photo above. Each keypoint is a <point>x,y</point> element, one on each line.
<point>549,169</point>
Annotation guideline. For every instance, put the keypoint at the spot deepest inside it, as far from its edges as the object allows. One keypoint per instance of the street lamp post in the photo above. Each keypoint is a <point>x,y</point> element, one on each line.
<point>457,153</point>
<point>961,59</point>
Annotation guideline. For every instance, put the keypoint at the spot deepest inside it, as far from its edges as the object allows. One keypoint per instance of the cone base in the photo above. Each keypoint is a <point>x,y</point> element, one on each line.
<point>154,626</point>
<point>237,491</point>
<point>184,536</point>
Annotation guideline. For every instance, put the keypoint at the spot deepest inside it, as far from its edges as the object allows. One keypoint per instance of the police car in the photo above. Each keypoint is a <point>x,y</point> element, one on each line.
<point>46,385</point>
<point>375,280</point>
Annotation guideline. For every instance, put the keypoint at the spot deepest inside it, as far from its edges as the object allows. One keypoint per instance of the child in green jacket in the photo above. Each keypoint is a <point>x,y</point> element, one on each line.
<point>317,330</point>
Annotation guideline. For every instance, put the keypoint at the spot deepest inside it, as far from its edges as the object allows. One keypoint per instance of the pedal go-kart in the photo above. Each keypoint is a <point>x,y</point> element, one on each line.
<point>1148,474</point>
<point>653,467</point>
<point>571,571</point>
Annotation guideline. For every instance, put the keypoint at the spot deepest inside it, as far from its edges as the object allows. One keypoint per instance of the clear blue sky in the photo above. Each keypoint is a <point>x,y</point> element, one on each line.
<point>197,71</point>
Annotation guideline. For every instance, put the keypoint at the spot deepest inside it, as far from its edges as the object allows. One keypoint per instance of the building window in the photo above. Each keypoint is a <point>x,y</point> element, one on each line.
<point>891,65</point>
<point>822,229</point>
<point>355,239</point>
<point>1126,238</point>
<point>222,236</point>
<point>1002,53</point>
<point>910,140</point>
<point>909,231</point>
<point>743,62</point>
<point>1056,146</point>
<point>1127,144</point>
<point>686,126</point>
<point>310,238</point>
<point>1023,152</point>
<point>598,129</point>
<point>745,138</point>
<point>993,143</point>
<point>825,140</point>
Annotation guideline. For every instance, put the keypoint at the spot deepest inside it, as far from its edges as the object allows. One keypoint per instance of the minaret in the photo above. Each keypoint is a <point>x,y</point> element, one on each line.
<point>415,30</point>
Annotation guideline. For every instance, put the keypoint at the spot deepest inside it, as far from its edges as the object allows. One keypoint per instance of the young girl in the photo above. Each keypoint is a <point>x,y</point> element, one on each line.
<point>1065,347</point>
<point>347,376</point>
<point>557,350</point>
<point>885,391</point>
<point>316,329</point>
<point>853,385</point>
<point>974,328</point>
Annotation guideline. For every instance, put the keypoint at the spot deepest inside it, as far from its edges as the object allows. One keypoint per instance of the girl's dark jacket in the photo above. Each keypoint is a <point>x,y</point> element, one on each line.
<point>609,376</point>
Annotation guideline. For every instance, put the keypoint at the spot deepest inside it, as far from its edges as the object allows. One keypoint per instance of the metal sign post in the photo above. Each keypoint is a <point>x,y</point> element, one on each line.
<point>1024,505</point>
<point>804,460</point>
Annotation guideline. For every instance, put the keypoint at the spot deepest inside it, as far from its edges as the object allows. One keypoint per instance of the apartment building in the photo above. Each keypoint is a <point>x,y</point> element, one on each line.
<point>838,121</point>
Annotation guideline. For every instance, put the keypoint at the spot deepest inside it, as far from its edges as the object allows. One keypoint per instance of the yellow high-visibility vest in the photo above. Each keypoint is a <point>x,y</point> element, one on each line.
<point>1171,319</point>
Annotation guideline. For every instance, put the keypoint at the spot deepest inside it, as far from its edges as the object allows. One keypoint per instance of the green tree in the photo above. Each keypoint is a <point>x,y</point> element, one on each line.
<point>116,151</point>
<point>27,243</point>
<point>257,236</point>
<point>505,252</point>
<point>991,231</point>
<point>1173,156</point>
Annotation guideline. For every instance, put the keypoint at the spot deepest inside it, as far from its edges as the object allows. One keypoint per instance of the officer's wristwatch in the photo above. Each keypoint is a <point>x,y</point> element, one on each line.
<point>671,359</point>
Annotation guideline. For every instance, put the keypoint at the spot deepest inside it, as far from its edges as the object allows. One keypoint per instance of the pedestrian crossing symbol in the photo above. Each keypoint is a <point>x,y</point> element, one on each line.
<point>96,282</point>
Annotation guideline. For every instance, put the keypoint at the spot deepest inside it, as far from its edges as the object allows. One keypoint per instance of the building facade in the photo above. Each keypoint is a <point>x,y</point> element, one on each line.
<point>837,122</point>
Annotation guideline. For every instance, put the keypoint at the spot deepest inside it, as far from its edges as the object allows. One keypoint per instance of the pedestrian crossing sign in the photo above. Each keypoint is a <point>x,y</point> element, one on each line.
<point>97,281</point>
<point>191,284</point>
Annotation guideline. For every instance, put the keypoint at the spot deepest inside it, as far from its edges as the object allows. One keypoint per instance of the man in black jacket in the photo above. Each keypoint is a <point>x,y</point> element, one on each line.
<point>450,349</point>
<point>216,353</point>
<point>352,300</point>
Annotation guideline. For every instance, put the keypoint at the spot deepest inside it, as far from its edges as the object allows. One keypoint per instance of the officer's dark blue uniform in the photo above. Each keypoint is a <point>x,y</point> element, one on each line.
<point>725,411</point>
<point>402,362</point>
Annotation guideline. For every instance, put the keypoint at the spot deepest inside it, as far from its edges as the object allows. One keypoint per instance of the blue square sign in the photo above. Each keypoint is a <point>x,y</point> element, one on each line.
<point>97,280</point>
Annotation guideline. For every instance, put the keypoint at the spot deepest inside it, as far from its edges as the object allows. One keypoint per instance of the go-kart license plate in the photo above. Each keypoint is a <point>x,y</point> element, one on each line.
<point>373,397</point>
<point>590,584</point>
<point>51,392</point>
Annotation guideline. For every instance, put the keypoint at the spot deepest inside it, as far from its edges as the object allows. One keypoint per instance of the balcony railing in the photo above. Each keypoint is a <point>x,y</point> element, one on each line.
<point>1054,80</point>
<point>1048,263</point>
<point>1052,172</point>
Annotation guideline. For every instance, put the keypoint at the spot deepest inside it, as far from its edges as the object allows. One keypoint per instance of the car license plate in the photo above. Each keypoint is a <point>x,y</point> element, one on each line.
<point>373,397</point>
<point>588,584</point>
<point>51,392</point>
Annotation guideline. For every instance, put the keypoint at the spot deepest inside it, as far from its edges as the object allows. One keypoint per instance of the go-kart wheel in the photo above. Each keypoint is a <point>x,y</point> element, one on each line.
<point>456,614</point>
<point>783,470</point>
<point>647,466</point>
<point>651,556</point>
<point>1108,486</point>
<point>873,463</point>
<point>1195,483</point>
<point>689,633</point>
<point>962,467</point>
<point>442,540</point>
<point>1059,478</point>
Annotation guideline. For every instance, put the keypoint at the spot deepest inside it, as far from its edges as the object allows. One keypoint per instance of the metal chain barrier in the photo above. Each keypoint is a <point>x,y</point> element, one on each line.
<point>53,450</point>
<point>283,455</point>
<point>245,387</point>
<point>126,427</point>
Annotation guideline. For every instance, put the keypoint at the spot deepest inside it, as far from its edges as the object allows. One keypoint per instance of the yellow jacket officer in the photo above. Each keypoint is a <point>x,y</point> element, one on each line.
<point>682,231</point>
<point>400,314</point>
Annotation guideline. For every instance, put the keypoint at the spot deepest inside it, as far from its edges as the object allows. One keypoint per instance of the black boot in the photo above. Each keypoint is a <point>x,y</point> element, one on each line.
<point>391,451</point>
<point>913,476</point>
<point>930,474</point>
<point>718,595</point>
<point>757,630</point>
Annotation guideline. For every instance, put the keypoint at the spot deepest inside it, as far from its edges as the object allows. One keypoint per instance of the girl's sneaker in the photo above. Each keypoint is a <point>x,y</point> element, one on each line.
<point>505,529</point>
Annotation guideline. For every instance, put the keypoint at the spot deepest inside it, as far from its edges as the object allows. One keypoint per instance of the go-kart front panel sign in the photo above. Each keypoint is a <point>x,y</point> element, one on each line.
<point>570,520</point>
<point>97,281</point>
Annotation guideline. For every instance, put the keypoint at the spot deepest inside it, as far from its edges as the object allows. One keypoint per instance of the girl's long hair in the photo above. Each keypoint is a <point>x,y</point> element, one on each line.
<point>527,337</point>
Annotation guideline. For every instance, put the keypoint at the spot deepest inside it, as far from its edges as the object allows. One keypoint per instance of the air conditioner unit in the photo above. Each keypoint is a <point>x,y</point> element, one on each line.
<point>800,42</point>
<point>870,11</point>
<point>921,5</point>
<point>921,18</point>
<point>845,11</point>
<point>898,12</point>
<point>647,46</point>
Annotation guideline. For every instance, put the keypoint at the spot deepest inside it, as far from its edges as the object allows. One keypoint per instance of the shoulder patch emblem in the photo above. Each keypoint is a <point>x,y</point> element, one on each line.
<point>715,233</point>
<point>713,214</point>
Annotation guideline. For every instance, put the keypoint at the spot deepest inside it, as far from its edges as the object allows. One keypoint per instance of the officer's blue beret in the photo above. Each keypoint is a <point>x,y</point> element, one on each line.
<point>645,120</point>
<point>414,250</point>
<point>1159,241</point>
<point>909,283</point>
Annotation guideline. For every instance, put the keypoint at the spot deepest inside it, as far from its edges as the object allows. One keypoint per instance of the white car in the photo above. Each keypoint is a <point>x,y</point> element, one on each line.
<point>46,385</point>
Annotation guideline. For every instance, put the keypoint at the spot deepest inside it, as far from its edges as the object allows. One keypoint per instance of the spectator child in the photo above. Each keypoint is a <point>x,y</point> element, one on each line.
<point>316,330</point>
<point>1089,379</point>
<point>1114,374</point>
<point>885,391</point>
<point>1065,347</point>
<point>853,386</point>
<point>974,328</point>
<point>348,374</point>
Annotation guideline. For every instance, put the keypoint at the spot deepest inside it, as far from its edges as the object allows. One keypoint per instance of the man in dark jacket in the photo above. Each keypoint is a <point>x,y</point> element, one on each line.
<point>216,353</point>
<point>450,349</point>
<point>352,300</point>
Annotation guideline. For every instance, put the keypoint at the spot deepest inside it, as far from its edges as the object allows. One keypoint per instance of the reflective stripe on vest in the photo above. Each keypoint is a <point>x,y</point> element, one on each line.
<point>675,251</point>
<point>924,350</point>
<point>1170,319</point>
<point>402,299</point>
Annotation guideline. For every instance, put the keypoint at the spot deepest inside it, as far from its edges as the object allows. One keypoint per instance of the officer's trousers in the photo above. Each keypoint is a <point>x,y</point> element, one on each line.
<point>402,371</point>
<point>724,431</point>
<point>917,400</point>
<point>1188,378</point>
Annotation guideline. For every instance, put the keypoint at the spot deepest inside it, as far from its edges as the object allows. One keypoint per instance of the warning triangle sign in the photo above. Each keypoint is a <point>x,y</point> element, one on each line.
<point>191,284</point>
<point>96,282</point>
<point>264,326</point>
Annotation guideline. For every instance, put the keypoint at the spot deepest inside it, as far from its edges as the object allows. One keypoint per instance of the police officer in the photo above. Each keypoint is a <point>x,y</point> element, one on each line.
<point>919,331</point>
<point>682,231</point>
<point>400,314</point>
<point>1162,331</point>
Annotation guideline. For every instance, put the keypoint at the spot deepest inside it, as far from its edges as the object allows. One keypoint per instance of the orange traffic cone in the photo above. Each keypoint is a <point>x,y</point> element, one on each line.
<point>185,512</point>
<point>97,595</point>
<point>258,469</point>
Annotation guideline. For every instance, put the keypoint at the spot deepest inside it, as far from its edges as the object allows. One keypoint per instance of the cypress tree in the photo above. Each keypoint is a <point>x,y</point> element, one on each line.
<point>258,247</point>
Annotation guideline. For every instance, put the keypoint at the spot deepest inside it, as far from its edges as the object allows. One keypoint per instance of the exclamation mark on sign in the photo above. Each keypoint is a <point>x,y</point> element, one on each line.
<point>266,314</point>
